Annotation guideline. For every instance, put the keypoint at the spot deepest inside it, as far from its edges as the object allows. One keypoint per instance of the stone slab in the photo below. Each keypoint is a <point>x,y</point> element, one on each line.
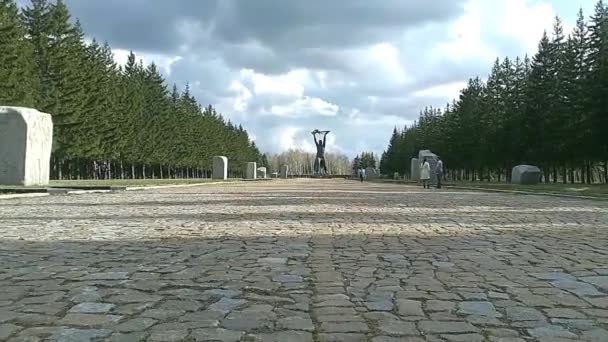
<point>251,170</point>
<point>26,139</point>
<point>220,168</point>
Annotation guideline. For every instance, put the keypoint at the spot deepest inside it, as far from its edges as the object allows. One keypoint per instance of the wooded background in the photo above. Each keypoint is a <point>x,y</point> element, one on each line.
<point>550,111</point>
<point>110,121</point>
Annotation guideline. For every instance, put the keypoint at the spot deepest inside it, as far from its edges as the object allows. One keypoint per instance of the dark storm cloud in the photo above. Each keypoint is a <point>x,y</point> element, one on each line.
<point>258,30</point>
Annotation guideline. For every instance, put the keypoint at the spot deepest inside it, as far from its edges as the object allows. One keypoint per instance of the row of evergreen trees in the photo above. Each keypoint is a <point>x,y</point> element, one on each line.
<point>551,111</point>
<point>109,121</point>
<point>363,161</point>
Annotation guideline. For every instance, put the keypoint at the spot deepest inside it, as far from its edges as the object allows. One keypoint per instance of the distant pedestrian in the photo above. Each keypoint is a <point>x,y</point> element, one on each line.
<point>361,175</point>
<point>439,172</point>
<point>425,174</point>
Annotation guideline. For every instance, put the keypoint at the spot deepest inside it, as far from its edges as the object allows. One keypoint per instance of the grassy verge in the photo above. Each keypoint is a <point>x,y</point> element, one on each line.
<point>595,190</point>
<point>131,182</point>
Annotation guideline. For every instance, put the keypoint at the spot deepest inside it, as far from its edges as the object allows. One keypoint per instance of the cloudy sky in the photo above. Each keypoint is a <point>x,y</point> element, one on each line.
<point>355,67</point>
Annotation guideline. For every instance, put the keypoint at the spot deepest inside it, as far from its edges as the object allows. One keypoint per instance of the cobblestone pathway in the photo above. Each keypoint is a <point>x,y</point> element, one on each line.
<point>282,261</point>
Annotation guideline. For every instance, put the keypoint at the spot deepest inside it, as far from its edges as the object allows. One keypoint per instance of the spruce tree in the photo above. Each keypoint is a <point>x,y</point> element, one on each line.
<point>16,54</point>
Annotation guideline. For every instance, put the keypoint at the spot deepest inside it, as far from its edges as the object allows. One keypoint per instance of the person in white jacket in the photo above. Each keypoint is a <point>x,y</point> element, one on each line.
<point>425,174</point>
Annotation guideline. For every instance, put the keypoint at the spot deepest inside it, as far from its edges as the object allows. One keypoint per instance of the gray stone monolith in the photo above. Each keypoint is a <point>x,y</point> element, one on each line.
<point>415,169</point>
<point>251,171</point>
<point>370,173</point>
<point>284,171</point>
<point>262,172</point>
<point>220,167</point>
<point>26,139</point>
<point>525,174</point>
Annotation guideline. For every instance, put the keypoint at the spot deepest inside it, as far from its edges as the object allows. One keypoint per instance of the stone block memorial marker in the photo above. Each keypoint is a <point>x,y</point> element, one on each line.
<point>251,171</point>
<point>26,139</point>
<point>370,173</point>
<point>262,172</point>
<point>525,174</point>
<point>415,169</point>
<point>284,171</point>
<point>220,168</point>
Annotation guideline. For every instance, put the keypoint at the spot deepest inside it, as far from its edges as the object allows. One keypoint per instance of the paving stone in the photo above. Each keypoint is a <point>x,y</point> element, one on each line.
<point>89,320</point>
<point>136,324</point>
<point>464,338</point>
<point>552,276</point>
<point>599,281</point>
<point>486,309</point>
<point>445,327</point>
<point>6,315</point>
<point>385,305</point>
<point>168,335</point>
<point>288,278</point>
<point>577,287</point>
<point>595,335</point>
<point>246,322</point>
<point>520,313</point>
<point>92,308</point>
<point>8,329</point>
<point>564,313</point>
<point>128,337</point>
<point>552,331</point>
<point>344,327</point>
<point>407,307</point>
<point>79,335</point>
<point>397,339</point>
<point>295,323</point>
<point>579,324</point>
<point>393,327</point>
<point>439,305</point>
<point>341,337</point>
<point>216,334</point>
<point>107,276</point>
<point>162,314</point>
<point>282,336</point>
<point>506,339</point>
<point>225,305</point>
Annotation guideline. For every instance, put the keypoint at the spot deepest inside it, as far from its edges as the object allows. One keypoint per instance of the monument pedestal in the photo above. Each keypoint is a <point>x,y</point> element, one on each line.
<point>26,139</point>
<point>220,168</point>
<point>251,171</point>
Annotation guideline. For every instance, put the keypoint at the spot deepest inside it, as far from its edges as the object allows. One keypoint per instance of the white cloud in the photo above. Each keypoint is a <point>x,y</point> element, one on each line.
<point>448,90</point>
<point>520,19</point>
<point>305,106</point>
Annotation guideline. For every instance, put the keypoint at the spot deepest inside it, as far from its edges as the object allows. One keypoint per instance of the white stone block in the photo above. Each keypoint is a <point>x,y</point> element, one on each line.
<point>525,174</point>
<point>250,172</point>
<point>220,167</point>
<point>415,169</point>
<point>284,171</point>
<point>370,173</point>
<point>26,139</point>
<point>261,172</point>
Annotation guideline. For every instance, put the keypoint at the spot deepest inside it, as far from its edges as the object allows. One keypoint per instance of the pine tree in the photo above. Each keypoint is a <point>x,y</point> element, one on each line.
<point>16,67</point>
<point>598,79</point>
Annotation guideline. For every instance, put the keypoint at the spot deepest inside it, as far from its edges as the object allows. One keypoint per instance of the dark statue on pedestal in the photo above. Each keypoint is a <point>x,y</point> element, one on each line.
<point>320,163</point>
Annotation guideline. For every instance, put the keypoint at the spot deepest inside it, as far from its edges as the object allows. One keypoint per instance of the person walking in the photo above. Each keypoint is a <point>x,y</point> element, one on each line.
<point>361,175</point>
<point>439,172</point>
<point>425,173</point>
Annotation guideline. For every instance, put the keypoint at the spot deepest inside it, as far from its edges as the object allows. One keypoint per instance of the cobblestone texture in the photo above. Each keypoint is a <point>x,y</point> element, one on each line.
<point>303,260</point>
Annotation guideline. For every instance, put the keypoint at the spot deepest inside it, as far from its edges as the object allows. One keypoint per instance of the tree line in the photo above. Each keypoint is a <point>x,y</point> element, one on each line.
<point>363,161</point>
<point>110,121</point>
<point>550,111</point>
<point>301,163</point>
